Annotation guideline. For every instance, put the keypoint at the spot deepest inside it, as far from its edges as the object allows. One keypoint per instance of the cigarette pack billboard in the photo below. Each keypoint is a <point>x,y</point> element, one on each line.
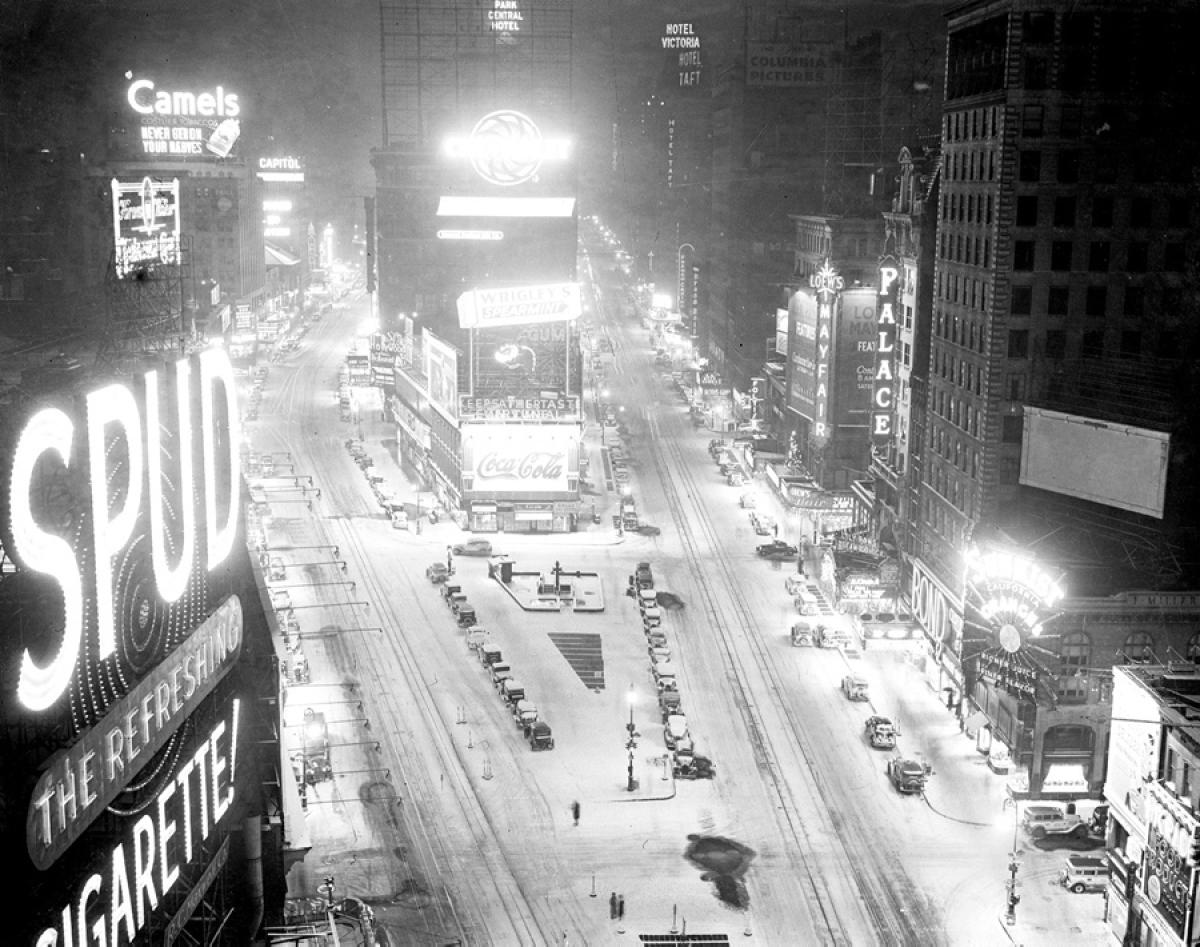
<point>145,225</point>
<point>508,459</point>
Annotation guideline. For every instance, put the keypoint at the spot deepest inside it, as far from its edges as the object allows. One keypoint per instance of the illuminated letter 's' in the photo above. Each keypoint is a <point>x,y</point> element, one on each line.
<point>113,404</point>
<point>216,369</point>
<point>171,582</point>
<point>48,430</point>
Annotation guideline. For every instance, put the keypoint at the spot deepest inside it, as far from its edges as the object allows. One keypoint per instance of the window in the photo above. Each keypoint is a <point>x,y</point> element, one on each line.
<point>1059,300</point>
<point>1138,648</point>
<point>1068,167</point>
<point>1022,301</point>
<point>1016,387</point>
<point>1093,344</point>
<point>1177,212</point>
<point>1038,26</point>
<point>1018,343</point>
<point>1011,430</point>
<point>1027,210</point>
<point>1137,256</point>
<point>1140,209</point>
<point>1060,256</point>
<point>1173,258</point>
<point>1131,343</point>
<point>1010,469</point>
<point>1071,120</point>
<point>1032,118</point>
<point>1075,658</point>
<point>1097,300</point>
<point>1135,300</point>
<point>1023,254</point>
<point>1098,255</point>
<point>1064,212</point>
<point>1056,343</point>
<point>1030,168</point>
<point>1102,211</point>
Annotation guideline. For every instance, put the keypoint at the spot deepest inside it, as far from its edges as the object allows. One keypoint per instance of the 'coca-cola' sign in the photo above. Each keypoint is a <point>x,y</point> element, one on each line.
<point>520,459</point>
<point>534,465</point>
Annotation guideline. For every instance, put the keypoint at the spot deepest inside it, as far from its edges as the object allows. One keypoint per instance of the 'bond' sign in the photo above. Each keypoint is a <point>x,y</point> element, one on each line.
<point>884,389</point>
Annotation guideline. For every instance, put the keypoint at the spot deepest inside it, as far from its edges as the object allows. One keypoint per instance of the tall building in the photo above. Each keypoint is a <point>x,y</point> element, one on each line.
<point>1056,529</point>
<point>475,246</point>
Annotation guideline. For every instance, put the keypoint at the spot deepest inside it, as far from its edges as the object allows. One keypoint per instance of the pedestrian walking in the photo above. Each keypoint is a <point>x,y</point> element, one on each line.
<point>612,906</point>
<point>620,907</point>
<point>575,811</point>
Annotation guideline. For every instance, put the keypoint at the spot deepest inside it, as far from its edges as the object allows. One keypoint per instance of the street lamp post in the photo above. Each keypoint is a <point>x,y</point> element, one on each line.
<point>1014,866</point>
<point>631,743</point>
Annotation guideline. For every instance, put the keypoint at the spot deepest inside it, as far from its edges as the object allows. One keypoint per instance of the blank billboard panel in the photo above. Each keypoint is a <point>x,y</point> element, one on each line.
<point>1114,464</point>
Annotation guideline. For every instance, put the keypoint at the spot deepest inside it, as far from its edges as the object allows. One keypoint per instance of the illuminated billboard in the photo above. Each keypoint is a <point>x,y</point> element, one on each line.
<point>507,148</point>
<point>184,123</point>
<point>853,368</point>
<point>518,305</point>
<point>145,225</point>
<point>509,408</point>
<point>883,394</point>
<point>803,354</point>
<point>127,697</point>
<point>441,371</point>
<point>524,360</point>
<point>787,65</point>
<point>510,459</point>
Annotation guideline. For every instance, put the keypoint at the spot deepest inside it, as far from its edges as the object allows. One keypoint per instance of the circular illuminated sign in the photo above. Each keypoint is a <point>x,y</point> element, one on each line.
<point>506,148</point>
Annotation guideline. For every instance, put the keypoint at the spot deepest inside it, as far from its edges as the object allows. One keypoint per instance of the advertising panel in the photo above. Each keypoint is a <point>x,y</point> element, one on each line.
<point>781,331</point>
<point>508,459</point>
<point>179,122</point>
<point>145,225</point>
<point>124,534</point>
<point>506,148</point>
<point>803,354</point>
<point>441,370</point>
<point>522,360</point>
<point>1058,454</point>
<point>518,305</point>
<point>681,43</point>
<point>787,65</point>
<point>509,408</point>
<point>853,367</point>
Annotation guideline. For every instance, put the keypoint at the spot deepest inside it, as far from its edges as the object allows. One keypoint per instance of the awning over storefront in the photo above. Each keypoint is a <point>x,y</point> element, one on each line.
<point>531,515</point>
<point>1064,778</point>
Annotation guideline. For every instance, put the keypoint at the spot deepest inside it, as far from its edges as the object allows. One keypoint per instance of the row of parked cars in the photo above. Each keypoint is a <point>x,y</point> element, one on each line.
<point>524,712</point>
<point>727,463</point>
<point>686,762</point>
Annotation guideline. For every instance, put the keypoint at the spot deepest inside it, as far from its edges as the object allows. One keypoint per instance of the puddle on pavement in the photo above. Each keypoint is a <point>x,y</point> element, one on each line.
<point>724,862</point>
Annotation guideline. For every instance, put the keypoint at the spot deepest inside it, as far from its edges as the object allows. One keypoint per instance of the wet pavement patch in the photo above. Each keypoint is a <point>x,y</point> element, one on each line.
<point>724,862</point>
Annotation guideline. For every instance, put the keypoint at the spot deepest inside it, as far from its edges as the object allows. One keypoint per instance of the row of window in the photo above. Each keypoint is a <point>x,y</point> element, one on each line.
<point>971,124</point>
<point>962,372</point>
<point>1031,211</point>
<point>1058,301</point>
<point>1099,256</point>
<point>970,208</point>
<point>1092,345</point>
<point>965,248</point>
<point>947,444</point>
<point>976,164</point>
<point>1145,166</point>
<point>958,329</point>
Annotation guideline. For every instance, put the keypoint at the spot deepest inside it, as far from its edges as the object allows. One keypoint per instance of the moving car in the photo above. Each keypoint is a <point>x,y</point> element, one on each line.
<point>855,687</point>
<point>437,572</point>
<point>693,766</point>
<point>473,547</point>
<point>881,732</point>
<point>777,549</point>
<point>802,635</point>
<point>764,524</point>
<point>908,776</point>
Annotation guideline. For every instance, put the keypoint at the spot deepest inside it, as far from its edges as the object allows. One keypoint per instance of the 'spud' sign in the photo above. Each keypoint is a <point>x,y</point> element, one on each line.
<point>518,305</point>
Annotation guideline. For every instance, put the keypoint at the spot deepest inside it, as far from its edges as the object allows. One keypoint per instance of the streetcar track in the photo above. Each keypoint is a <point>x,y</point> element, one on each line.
<point>888,904</point>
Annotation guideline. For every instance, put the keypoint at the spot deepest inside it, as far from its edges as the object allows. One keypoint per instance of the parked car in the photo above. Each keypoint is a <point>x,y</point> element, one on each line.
<point>1040,821</point>
<point>472,547</point>
<point>777,549</point>
<point>855,687</point>
<point>881,732</point>
<point>1085,873</point>
<point>437,572</point>
<point>540,736</point>
<point>908,776</point>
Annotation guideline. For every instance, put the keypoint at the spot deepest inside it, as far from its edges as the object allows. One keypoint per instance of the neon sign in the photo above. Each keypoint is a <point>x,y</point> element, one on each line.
<point>828,284</point>
<point>506,148</point>
<point>145,224</point>
<point>144,99</point>
<point>505,16</point>
<point>883,393</point>
<point>122,456</point>
<point>1011,594</point>
<point>519,305</point>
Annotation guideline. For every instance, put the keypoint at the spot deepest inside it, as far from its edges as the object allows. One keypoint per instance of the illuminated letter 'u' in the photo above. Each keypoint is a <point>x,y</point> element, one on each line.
<point>171,582</point>
<point>215,368</point>
<point>48,430</point>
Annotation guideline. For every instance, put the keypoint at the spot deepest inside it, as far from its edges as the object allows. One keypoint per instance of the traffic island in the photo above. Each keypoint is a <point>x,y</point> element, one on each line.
<point>537,592</point>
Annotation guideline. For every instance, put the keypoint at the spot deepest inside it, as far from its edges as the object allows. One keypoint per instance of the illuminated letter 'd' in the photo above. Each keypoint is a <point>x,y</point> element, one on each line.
<point>171,582</point>
<point>215,368</point>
